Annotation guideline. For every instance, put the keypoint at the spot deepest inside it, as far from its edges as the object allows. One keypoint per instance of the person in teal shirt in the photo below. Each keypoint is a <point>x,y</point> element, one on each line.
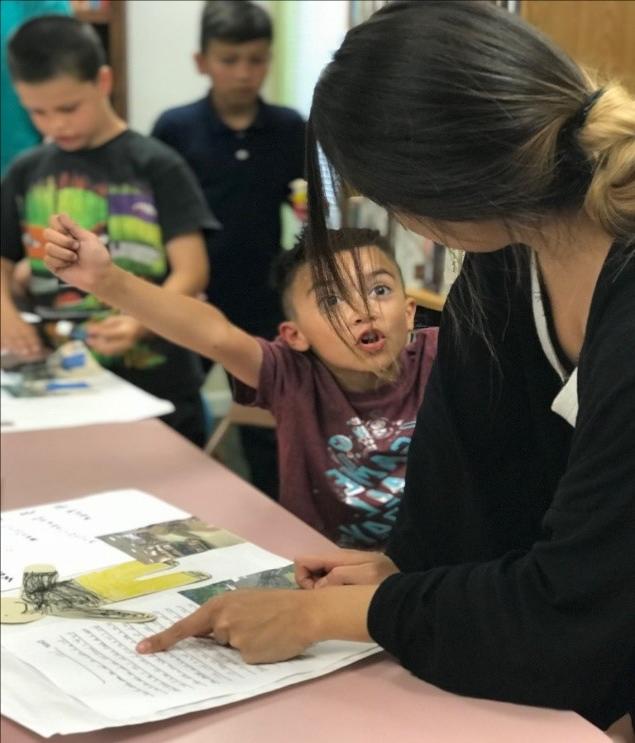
<point>17,132</point>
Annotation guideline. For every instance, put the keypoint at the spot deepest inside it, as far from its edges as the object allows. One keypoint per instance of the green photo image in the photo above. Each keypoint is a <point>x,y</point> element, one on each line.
<point>277,578</point>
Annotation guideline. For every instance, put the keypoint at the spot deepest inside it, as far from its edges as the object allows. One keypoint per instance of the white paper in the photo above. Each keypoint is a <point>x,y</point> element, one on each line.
<point>55,712</point>
<point>96,664</point>
<point>86,675</point>
<point>65,534</point>
<point>107,399</point>
<point>58,713</point>
<point>104,682</point>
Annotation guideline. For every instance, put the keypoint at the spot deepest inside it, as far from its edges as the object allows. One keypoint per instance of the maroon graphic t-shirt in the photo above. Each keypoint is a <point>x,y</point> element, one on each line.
<point>342,455</point>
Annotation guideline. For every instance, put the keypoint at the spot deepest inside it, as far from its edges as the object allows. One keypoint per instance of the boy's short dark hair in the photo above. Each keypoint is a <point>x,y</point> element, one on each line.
<point>348,238</point>
<point>234,21</point>
<point>49,46</point>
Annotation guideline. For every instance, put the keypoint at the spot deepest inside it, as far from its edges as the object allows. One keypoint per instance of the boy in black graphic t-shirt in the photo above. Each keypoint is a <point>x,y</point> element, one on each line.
<point>135,193</point>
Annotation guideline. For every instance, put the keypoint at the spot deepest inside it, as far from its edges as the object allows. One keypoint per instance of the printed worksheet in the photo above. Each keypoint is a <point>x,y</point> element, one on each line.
<point>96,663</point>
<point>67,534</point>
<point>87,675</point>
<point>102,398</point>
<point>59,713</point>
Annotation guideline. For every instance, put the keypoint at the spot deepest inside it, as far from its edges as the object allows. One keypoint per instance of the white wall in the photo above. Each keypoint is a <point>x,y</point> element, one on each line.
<point>321,26</point>
<point>162,37</point>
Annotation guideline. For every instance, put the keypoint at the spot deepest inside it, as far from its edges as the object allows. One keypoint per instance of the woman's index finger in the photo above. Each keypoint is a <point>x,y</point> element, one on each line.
<point>199,622</point>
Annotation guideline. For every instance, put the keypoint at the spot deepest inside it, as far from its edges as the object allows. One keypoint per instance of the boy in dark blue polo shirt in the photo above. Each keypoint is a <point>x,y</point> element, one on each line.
<point>244,152</point>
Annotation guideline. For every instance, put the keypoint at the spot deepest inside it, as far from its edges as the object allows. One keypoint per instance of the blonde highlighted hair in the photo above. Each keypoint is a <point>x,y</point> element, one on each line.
<point>607,139</point>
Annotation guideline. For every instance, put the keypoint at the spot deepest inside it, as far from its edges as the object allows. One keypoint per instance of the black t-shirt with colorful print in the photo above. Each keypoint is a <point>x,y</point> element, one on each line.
<point>137,195</point>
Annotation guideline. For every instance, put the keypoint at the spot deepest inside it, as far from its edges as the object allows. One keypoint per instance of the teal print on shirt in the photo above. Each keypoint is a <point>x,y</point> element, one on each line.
<point>369,476</point>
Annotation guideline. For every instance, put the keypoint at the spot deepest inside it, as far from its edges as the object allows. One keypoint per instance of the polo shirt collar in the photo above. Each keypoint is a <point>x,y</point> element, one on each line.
<point>219,126</point>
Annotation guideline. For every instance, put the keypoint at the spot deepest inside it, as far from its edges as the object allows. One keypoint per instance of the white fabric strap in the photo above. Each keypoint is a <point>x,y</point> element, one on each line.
<point>565,403</point>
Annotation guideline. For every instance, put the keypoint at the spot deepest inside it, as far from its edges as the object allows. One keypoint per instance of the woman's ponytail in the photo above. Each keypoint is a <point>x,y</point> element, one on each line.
<point>608,141</point>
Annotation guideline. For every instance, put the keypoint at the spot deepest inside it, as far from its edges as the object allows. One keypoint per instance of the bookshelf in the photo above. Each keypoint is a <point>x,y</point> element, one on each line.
<point>108,17</point>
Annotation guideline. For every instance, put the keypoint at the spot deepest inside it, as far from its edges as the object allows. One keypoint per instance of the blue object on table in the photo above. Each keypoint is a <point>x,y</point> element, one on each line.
<point>74,361</point>
<point>55,386</point>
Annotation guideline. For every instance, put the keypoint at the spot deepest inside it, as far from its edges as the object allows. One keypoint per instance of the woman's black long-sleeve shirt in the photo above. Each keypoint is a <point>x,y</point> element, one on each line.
<point>516,535</point>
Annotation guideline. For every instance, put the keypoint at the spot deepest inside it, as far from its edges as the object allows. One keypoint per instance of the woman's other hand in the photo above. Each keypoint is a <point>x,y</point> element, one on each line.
<point>343,567</point>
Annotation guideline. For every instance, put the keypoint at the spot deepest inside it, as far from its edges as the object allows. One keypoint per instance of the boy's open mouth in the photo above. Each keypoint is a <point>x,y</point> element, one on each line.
<point>371,341</point>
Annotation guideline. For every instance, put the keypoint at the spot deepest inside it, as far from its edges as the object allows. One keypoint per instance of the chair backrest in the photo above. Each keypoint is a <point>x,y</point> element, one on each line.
<point>239,415</point>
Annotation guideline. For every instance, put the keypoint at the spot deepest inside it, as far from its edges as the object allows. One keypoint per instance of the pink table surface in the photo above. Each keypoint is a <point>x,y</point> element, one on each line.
<point>375,700</point>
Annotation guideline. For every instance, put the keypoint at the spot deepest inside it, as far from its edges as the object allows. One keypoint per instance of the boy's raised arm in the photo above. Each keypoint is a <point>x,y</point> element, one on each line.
<point>79,257</point>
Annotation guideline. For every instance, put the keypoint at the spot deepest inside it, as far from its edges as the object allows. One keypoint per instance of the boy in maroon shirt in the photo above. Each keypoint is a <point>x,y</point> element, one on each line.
<point>345,400</point>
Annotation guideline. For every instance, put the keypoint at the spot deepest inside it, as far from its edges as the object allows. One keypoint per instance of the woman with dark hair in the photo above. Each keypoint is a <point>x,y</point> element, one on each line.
<point>510,573</point>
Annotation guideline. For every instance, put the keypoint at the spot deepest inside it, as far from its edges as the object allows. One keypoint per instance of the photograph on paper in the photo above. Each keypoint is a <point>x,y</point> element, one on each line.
<point>170,540</point>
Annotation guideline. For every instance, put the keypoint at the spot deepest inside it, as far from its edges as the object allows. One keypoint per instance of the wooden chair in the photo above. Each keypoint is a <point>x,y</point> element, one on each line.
<point>429,307</point>
<point>426,298</point>
<point>239,415</point>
